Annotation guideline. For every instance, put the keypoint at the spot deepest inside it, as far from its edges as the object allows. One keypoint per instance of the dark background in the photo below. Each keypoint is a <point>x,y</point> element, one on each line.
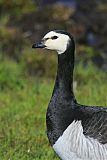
<point>24,22</point>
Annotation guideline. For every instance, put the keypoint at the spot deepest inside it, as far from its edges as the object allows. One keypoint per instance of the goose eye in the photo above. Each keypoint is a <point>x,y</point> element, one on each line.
<point>54,37</point>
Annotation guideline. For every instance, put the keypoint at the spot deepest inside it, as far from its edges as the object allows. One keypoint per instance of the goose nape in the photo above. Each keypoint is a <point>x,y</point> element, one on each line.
<point>75,131</point>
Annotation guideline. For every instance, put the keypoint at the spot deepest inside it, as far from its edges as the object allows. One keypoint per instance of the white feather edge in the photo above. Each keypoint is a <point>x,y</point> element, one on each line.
<point>74,145</point>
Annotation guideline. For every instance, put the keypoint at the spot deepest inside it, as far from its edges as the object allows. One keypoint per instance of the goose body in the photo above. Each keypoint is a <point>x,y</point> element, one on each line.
<point>76,132</point>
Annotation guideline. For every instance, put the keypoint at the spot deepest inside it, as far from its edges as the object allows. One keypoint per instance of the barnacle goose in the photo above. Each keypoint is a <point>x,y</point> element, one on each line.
<point>76,132</point>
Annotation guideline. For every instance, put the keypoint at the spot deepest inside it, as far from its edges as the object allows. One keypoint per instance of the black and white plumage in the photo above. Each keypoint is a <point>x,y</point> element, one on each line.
<point>76,132</point>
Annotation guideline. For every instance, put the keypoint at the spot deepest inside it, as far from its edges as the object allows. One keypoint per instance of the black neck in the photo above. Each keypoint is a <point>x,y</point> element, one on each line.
<point>60,113</point>
<point>64,78</point>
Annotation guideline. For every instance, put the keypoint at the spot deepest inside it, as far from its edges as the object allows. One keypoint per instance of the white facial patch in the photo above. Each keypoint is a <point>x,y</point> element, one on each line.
<point>59,44</point>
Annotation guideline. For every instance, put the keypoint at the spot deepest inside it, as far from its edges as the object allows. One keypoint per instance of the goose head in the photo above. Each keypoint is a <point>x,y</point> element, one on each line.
<point>57,40</point>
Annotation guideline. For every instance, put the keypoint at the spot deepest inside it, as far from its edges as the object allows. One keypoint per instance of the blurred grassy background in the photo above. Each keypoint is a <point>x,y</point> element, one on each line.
<point>27,75</point>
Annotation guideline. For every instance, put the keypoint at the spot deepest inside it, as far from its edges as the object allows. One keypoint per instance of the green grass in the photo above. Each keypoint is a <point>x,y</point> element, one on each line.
<point>22,119</point>
<point>23,108</point>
